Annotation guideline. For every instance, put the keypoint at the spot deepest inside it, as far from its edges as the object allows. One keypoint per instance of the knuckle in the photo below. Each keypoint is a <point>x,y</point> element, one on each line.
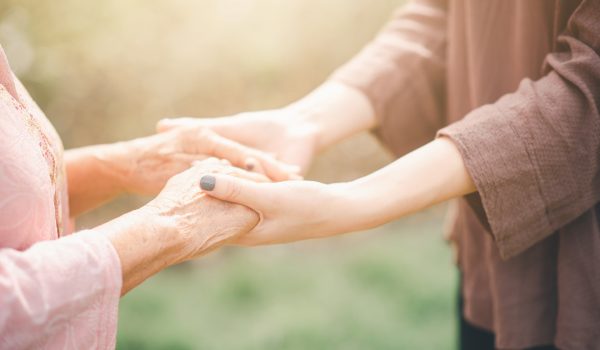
<point>233,191</point>
<point>202,132</point>
<point>209,143</point>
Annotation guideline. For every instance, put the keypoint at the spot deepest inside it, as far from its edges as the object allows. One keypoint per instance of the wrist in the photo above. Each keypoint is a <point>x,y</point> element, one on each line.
<point>346,213</point>
<point>334,111</point>
<point>303,117</point>
<point>150,233</point>
<point>111,163</point>
<point>121,161</point>
<point>94,177</point>
<point>357,206</point>
<point>145,244</point>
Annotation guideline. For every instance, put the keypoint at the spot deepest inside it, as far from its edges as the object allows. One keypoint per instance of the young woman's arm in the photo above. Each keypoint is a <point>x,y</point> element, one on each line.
<point>297,210</point>
<point>296,133</point>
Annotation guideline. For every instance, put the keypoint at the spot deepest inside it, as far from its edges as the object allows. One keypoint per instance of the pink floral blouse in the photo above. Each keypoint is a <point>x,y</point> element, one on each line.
<point>57,291</point>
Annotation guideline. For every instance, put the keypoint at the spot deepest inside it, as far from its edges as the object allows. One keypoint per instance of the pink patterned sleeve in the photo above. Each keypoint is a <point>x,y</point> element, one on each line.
<point>60,294</point>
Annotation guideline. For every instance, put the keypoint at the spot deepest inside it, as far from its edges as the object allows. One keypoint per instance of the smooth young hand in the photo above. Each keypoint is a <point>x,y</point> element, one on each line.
<point>296,210</point>
<point>296,133</point>
<point>289,210</point>
<point>280,133</point>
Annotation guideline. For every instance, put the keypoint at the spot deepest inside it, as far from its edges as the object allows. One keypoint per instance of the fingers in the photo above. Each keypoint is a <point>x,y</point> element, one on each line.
<point>223,166</point>
<point>277,170</point>
<point>200,136</point>
<point>236,190</point>
<point>250,159</point>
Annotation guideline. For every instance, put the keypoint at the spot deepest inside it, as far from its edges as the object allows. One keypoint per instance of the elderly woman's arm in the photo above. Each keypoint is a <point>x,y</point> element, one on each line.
<point>76,281</point>
<point>99,173</point>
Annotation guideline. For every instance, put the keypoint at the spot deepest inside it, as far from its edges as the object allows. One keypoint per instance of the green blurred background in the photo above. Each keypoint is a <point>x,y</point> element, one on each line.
<point>108,70</point>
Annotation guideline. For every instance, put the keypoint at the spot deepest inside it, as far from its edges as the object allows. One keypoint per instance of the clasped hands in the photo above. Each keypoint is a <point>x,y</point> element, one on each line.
<point>284,146</point>
<point>289,210</point>
<point>252,196</point>
<point>270,148</point>
<point>182,222</point>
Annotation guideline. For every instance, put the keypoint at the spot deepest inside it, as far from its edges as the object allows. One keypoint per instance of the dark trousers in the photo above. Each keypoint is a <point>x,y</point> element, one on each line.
<point>475,338</point>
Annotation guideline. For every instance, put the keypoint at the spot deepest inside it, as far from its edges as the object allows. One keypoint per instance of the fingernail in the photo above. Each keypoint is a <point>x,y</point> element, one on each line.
<point>250,164</point>
<point>207,182</point>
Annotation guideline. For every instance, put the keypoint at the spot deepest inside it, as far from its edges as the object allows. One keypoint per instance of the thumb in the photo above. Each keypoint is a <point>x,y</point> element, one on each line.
<point>234,189</point>
<point>167,124</point>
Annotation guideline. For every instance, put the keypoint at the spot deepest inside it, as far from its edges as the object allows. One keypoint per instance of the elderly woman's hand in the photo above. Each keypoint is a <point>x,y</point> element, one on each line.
<point>143,165</point>
<point>181,223</point>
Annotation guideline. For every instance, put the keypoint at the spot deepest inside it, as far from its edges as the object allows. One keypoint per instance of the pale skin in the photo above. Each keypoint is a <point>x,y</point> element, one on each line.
<point>298,210</point>
<point>97,174</point>
<point>181,223</point>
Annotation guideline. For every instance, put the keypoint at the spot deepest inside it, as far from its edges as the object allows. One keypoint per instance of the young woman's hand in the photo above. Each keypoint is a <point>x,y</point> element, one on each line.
<point>296,133</point>
<point>278,132</point>
<point>289,210</point>
<point>296,210</point>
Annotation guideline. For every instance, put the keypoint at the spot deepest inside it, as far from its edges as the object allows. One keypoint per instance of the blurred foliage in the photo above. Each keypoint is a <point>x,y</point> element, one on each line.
<point>108,70</point>
<point>376,290</point>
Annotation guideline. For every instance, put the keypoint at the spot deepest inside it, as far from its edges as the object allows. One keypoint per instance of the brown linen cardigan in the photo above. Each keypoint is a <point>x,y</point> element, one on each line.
<point>516,85</point>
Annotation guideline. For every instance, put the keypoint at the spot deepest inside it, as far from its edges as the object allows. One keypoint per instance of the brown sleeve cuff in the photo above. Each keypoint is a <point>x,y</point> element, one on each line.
<point>504,174</point>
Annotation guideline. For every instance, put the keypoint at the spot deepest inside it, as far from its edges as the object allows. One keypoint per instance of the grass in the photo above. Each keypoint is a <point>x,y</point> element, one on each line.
<point>392,288</point>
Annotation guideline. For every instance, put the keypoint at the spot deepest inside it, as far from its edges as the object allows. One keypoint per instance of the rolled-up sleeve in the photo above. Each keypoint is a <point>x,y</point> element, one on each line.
<point>534,155</point>
<point>402,72</point>
<point>60,294</point>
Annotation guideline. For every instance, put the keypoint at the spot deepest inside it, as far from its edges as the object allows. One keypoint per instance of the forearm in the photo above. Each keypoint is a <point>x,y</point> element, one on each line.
<point>336,111</point>
<point>144,244</point>
<point>429,175</point>
<point>93,177</point>
<point>299,210</point>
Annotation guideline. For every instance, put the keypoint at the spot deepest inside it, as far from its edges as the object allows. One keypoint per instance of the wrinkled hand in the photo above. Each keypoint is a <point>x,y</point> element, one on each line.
<point>145,164</point>
<point>289,210</point>
<point>200,222</point>
<point>279,132</point>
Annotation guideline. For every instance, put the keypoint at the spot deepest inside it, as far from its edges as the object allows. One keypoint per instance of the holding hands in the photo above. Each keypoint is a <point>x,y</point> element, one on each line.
<point>180,224</point>
<point>289,211</point>
<point>212,203</point>
<point>143,165</point>
<point>147,163</point>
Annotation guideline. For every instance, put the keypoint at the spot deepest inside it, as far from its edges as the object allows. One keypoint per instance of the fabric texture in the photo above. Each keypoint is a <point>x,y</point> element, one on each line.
<point>56,291</point>
<point>516,85</point>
